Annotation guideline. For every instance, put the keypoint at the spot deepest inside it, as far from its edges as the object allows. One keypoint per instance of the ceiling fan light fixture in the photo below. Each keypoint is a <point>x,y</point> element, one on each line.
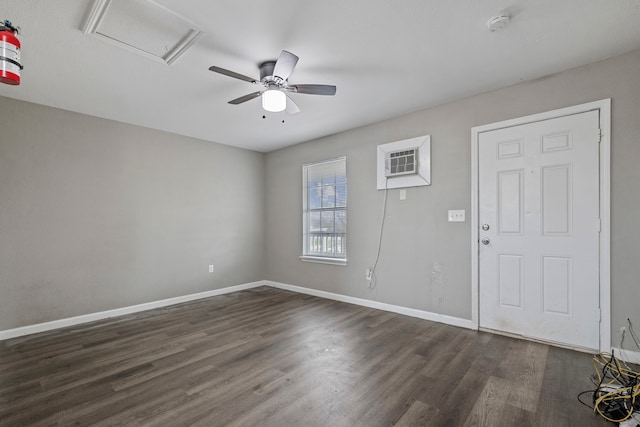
<point>274,100</point>
<point>274,78</point>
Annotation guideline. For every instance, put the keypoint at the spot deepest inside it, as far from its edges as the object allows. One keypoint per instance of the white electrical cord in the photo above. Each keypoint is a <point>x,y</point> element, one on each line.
<point>633,334</point>
<point>622,332</point>
<point>372,282</point>
<point>634,338</point>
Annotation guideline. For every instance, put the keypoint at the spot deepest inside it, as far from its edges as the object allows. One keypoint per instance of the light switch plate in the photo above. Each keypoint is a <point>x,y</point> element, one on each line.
<point>456,215</point>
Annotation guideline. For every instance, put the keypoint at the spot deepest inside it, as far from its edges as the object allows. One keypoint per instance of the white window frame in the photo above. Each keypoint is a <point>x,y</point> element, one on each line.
<point>310,256</point>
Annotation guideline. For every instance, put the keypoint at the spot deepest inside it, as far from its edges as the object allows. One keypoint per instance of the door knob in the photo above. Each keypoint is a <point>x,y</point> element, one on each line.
<point>485,241</point>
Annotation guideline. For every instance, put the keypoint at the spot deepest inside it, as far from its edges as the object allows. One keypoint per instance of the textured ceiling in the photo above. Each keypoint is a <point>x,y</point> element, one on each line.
<point>387,58</point>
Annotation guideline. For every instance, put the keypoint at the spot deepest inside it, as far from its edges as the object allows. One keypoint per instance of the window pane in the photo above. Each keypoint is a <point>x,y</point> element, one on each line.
<point>341,221</point>
<point>314,222</point>
<point>327,222</point>
<point>341,195</point>
<point>328,196</point>
<point>315,197</point>
<point>314,177</point>
<point>329,177</point>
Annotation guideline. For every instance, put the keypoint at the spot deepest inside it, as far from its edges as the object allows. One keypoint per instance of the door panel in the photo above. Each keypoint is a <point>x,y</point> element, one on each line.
<point>510,202</point>
<point>539,200</point>
<point>556,200</point>
<point>511,280</point>
<point>556,285</point>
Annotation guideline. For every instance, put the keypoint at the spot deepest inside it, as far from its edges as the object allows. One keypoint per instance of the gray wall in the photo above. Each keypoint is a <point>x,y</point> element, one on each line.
<point>425,261</point>
<point>96,215</point>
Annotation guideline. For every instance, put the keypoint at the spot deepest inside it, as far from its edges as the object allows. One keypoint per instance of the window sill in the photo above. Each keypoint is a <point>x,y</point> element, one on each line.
<point>322,260</point>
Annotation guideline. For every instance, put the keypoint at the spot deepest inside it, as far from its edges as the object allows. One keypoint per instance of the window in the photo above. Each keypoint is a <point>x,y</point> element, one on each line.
<point>324,207</point>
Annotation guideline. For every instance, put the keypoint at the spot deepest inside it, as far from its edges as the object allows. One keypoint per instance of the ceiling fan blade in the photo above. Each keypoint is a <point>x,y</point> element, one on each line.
<point>231,74</point>
<point>315,89</point>
<point>284,65</point>
<point>245,98</point>
<point>292,107</point>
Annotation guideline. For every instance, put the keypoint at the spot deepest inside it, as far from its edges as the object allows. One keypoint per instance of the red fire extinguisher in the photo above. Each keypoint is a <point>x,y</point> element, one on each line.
<point>10,66</point>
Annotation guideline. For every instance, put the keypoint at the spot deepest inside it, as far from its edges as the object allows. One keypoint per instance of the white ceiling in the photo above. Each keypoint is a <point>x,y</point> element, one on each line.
<point>387,58</point>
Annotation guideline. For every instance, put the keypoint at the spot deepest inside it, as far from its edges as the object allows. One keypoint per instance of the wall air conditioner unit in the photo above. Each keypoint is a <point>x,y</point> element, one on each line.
<point>405,163</point>
<point>401,162</point>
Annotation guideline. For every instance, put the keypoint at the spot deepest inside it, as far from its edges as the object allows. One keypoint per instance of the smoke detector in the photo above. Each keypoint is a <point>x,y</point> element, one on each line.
<point>498,23</point>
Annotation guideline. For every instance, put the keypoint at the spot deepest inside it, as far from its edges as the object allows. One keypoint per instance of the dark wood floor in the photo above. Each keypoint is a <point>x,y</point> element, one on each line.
<point>267,357</point>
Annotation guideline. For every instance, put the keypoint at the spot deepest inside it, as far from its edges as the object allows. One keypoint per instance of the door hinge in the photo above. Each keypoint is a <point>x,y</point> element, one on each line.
<point>598,225</point>
<point>599,136</point>
<point>599,315</point>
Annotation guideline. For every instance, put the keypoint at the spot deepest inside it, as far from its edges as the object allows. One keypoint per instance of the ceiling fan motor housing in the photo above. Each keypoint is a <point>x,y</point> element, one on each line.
<point>266,71</point>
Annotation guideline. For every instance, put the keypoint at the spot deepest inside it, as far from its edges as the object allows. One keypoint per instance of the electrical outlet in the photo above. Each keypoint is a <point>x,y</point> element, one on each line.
<point>210,268</point>
<point>369,273</point>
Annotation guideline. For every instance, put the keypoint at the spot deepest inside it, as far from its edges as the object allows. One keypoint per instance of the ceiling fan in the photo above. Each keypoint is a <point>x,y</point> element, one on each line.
<point>274,77</point>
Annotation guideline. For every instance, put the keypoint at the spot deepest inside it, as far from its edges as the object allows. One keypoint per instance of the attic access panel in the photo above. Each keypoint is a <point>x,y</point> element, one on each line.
<point>143,27</point>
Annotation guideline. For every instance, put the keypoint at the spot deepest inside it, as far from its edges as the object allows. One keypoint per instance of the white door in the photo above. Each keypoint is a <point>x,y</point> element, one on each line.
<point>539,230</point>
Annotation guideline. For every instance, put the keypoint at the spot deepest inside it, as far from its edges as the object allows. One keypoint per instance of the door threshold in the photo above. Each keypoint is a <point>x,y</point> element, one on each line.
<point>541,341</point>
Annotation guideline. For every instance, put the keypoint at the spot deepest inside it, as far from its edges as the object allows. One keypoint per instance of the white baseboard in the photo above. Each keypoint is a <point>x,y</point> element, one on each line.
<point>77,320</point>
<point>628,356</point>
<point>421,314</point>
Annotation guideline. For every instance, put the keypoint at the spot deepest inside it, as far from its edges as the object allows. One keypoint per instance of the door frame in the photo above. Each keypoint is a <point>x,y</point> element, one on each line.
<point>604,108</point>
